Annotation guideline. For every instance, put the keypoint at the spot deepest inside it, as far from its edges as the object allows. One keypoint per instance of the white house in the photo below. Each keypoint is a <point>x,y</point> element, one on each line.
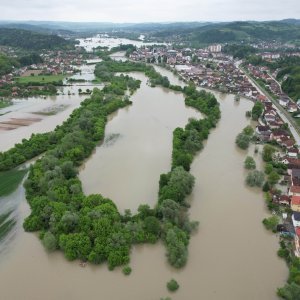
<point>296,219</point>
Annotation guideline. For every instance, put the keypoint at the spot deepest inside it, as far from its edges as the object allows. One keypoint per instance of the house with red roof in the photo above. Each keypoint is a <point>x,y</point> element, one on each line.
<point>297,241</point>
<point>295,203</point>
<point>294,190</point>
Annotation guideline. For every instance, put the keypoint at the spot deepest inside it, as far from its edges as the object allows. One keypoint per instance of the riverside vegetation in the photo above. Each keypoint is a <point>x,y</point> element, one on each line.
<point>91,228</point>
<point>273,172</point>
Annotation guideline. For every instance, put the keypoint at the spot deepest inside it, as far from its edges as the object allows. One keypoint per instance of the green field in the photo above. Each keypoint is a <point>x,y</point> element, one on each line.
<point>4,104</point>
<point>40,79</point>
<point>10,180</point>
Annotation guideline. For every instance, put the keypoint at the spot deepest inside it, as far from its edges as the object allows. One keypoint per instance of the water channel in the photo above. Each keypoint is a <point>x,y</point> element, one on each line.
<point>232,256</point>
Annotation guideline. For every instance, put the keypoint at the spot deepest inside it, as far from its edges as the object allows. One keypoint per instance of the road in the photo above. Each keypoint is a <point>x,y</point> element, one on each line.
<point>286,117</point>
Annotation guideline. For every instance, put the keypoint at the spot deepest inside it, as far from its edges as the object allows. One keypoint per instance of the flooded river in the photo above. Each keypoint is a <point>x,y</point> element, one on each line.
<point>37,107</point>
<point>138,142</point>
<point>232,256</point>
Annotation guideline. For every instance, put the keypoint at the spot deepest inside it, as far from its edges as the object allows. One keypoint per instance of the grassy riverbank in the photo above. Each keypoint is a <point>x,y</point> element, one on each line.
<point>4,104</point>
<point>10,180</point>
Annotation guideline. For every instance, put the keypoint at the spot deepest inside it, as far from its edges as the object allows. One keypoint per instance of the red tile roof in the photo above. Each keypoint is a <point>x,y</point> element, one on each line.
<point>295,200</point>
<point>295,189</point>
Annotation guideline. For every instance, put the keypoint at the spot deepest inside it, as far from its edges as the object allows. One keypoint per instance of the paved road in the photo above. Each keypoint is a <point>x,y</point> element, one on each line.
<point>286,117</point>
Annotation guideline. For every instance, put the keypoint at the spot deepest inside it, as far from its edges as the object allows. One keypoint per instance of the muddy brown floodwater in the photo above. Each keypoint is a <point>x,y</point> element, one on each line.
<point>231,257</point>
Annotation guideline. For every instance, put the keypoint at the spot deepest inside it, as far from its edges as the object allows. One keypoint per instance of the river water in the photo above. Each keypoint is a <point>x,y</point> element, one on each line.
<point>139,142</point>
<point>34,107</point>
<point>232,256</point>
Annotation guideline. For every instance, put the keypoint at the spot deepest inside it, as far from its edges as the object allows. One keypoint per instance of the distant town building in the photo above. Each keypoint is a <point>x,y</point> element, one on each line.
<point>215,48</point>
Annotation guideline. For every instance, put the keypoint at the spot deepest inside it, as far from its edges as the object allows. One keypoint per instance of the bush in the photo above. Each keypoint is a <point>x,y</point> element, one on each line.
<point>255,178</point>
<point>242,141</point>
<point>49,241</point>
<point>273,178</point>
<point>257,110</point>
<point>126,270</point>
<point>249,163</point>
<point>290,291</point>
<point>267,153</point>
<point>266,187</point>
<point>248,130</point>
<point>271,223</point>
<point>172,285</point>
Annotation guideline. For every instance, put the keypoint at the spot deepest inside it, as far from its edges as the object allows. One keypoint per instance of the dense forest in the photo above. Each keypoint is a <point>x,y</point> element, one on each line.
<point>289,72</point>
<point>239,51</point>
<point>30,40</point>
<point>233,32</point>
<point>7,64</point>
<point>291,85</point>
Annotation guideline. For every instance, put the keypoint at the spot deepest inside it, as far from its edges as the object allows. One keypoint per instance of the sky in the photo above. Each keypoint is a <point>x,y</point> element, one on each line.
<point>136,11</point>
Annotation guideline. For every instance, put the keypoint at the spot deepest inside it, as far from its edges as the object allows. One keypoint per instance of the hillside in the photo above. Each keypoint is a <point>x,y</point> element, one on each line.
<point>6,64</point>
<point>235,32</point>
<point>30,40</point>
<point>291,85</point>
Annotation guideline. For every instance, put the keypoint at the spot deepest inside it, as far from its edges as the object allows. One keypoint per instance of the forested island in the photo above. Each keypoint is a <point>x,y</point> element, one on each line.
<point>91,228</point>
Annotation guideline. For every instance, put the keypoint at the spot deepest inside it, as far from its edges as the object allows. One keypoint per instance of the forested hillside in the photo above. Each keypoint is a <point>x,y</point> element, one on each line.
<point>7,64</point>
<point>30,40</point>
<point>235,31</point>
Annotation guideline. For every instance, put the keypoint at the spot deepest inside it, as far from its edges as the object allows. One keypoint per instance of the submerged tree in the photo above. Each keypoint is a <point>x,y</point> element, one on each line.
<point>249,163</point>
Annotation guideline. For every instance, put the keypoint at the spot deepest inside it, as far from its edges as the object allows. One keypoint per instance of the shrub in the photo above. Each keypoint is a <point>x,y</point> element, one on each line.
<point>49,241</point>
<point>172,285</point>
<point>242,141</point>
<point>248,130</point>
<point>249,163</point>
<point>126,270</point>
<point>255,178</point>
<point>271,223</point>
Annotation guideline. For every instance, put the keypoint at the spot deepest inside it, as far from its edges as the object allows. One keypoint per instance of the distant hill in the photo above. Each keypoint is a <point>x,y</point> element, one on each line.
<point>236,31</point>
<point>30,40</point>
<point>38,29</point>
<point>71,27</point>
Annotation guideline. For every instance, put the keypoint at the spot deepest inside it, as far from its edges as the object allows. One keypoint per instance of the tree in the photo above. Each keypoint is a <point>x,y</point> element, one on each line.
<point>68,169</point>
<point>290,291</point>
<point>180,185</point>
<point>170,211</point>
<point>266,187</point>
<point>176,244</point>
<point>152,225</point>
<point>249,163</point>
<point>257,110</point>
<point>49,241</point>
<point>255,178</point>
<point>273,178</point>
<point>242,141</point>
<point>271,223</point>
<point>126,270</point>
<point>248,130</point>
<point>172,285</point>
<point>267,153</point>
<point>69,221</point>
<point>268,168</point>
<point>75,245</point>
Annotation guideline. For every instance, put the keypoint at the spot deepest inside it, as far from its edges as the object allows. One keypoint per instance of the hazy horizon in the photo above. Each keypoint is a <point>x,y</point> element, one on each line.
<point>146,11</point>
